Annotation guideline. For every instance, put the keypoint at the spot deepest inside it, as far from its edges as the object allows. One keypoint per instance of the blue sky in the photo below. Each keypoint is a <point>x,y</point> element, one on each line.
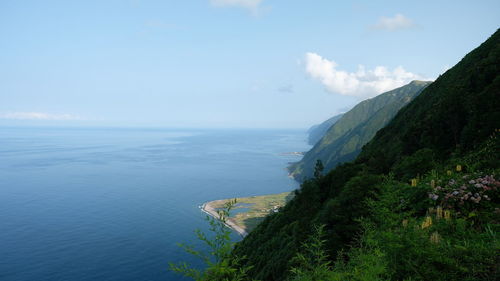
<point>221,63</point>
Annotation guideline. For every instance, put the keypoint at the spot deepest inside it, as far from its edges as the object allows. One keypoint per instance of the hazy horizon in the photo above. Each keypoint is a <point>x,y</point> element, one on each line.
<point>221,63</point>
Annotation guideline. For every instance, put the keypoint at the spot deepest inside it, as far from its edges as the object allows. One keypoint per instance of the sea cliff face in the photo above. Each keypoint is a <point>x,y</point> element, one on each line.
<point>317,132</point>
<point>343,141</point>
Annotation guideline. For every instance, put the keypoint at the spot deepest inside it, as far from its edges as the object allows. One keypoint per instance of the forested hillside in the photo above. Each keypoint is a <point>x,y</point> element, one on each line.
<point>421,202</point>
<point>344,139</point>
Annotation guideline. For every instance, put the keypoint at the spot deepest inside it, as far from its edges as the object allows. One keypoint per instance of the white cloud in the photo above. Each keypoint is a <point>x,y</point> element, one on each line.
<point>395,23</point>
<point>38,116</point>
<point>252,5</point>
<point>362,83</point>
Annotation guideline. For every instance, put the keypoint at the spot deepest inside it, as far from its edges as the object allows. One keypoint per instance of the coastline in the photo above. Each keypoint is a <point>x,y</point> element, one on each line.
<point>211,211</point>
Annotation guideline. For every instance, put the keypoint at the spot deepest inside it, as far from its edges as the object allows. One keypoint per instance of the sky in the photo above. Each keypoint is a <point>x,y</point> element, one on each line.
<point>221,63</point>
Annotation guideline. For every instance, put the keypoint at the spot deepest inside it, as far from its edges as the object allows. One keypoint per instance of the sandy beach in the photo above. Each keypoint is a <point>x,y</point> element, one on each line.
<point>211,211</point>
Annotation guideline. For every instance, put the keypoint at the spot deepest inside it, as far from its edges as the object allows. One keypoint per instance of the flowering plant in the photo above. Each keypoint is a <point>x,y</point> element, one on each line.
<point>466,194</point>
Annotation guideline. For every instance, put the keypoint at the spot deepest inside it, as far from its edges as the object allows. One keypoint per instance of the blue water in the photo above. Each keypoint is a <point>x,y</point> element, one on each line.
<point>111,204</point>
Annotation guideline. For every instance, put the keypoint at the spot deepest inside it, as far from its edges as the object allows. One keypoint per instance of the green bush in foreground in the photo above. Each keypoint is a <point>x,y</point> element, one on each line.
<point>440,226</point>
<point>220,265</point>
<point>450,240</point>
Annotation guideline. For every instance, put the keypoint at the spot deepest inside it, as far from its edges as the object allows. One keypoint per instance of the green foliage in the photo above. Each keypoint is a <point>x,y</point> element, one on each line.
<point>421,161</point>
<point>345,138</point>
<point>362,264</point>
<point>221,265</point>
<point>397,244</point>
<point>387,228</point>
<point>318,169</point>
<point>271,246</point>
<point>312,264</point>
<point>486,156</point>
<point>454,114</point>
<point>429,246</point>
<point>340,214</point>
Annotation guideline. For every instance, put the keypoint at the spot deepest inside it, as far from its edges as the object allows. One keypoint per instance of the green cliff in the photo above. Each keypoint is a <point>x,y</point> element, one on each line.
<point>345,138</point>
<point>317,132</point>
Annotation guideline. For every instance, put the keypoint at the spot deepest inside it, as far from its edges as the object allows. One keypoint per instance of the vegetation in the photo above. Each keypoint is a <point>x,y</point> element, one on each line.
<point>365,204</point>
<point>344,139</point>
<point>448,237</point>
<point>258,207</point>
<point>420,202</point>
<point>220,264</point>
<point>317,132</point>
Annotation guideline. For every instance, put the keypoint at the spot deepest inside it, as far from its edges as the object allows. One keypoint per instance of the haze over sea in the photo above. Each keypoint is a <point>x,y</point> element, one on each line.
<point>111,204</point>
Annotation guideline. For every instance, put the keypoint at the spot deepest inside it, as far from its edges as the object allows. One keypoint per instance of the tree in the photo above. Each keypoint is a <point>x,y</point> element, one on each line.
<point>221,265</point>
<point>313,264</point>
<point>318,169</point>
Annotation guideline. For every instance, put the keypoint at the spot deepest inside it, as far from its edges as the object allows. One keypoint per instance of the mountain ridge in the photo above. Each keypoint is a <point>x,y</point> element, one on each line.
<point>317,131</point>
<point>345,138</point>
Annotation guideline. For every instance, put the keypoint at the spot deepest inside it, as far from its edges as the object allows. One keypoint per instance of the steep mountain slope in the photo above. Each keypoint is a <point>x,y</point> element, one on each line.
<point>459,110</point>
<point>451,119</point>
<point>316,132</point>
<point>344,140</point>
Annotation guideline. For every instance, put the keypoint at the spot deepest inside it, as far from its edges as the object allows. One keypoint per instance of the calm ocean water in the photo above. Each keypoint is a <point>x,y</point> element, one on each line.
<point>111,204</point>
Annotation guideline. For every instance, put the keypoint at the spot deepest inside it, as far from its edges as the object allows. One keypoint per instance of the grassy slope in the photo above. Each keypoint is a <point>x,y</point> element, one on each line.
<point>344,140</point>
<point>317,132</point>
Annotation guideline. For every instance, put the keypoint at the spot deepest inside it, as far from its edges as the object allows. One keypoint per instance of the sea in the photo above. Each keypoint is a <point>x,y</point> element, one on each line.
<point>114,203</point>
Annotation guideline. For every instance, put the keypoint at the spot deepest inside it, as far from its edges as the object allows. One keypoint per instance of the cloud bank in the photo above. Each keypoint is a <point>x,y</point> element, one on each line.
<point>362,83</point>
<point>38,116</point>
<point>252,5</point>
<point>397,22</point>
